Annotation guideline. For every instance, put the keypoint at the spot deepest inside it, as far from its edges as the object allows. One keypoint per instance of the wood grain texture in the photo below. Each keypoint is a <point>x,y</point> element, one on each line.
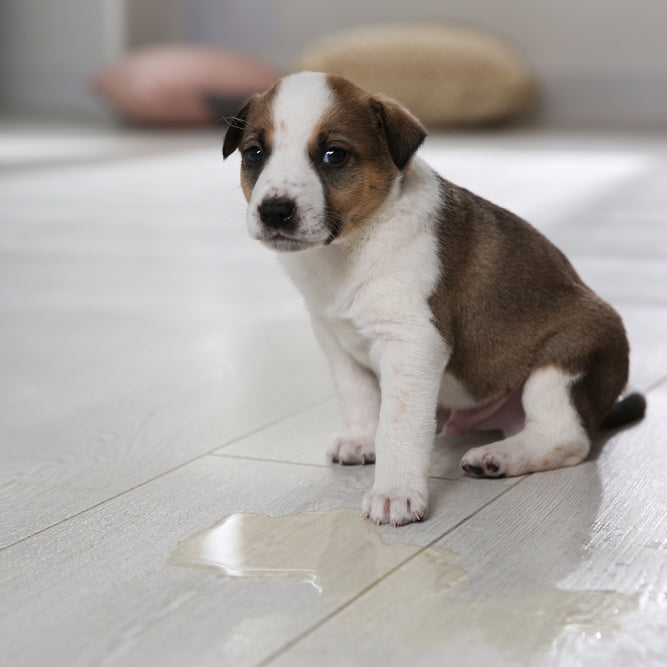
<point>568,567</point>
<point>141,331</point>
<point>127,346</point>
<point>97,589</point>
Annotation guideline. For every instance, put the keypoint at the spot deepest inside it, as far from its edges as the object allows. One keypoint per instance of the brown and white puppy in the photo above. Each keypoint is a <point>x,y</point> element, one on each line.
<point>423,295</point>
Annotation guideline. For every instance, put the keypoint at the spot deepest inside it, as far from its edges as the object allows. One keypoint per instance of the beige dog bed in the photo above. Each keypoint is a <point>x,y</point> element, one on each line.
<point>445,75</point>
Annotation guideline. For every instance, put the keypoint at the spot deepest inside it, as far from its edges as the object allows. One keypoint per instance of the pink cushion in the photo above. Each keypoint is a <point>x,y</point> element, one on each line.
<point>169,85</point>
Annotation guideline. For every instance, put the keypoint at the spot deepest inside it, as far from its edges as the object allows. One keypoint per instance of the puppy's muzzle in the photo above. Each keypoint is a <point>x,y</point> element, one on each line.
<point>277,212</point>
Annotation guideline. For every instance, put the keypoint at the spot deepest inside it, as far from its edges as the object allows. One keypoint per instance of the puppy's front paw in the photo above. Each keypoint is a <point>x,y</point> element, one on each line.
<point>397,509</point>
<point>349,450</point>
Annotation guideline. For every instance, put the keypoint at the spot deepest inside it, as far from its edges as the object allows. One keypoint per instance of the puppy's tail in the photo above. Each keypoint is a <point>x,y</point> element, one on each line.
<point>627,410</point>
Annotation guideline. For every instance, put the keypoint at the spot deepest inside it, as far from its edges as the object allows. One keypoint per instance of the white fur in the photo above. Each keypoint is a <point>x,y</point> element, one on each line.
<point>288,171</point>
<point>376,329</point>
<point>552,437</point>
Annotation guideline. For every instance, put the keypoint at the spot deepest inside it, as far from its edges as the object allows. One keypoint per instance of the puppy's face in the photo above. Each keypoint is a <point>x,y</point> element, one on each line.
<point>319,156</point>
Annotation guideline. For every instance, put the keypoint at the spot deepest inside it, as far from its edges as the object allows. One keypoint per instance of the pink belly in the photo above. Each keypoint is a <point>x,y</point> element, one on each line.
<point>504,414</point>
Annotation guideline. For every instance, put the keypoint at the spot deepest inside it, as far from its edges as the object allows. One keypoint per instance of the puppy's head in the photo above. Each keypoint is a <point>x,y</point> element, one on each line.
<point>319,156</point>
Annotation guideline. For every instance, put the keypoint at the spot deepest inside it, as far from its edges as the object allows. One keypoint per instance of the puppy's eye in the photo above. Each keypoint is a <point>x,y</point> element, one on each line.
<point>254,154</point>
<point>334,155</point>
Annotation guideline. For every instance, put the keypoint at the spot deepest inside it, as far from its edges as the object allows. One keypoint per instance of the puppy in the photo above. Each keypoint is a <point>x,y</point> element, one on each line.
<point>424,297</point>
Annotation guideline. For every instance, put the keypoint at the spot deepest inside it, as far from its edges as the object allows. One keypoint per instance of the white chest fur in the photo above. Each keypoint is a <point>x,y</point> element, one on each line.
<point>374,284</point>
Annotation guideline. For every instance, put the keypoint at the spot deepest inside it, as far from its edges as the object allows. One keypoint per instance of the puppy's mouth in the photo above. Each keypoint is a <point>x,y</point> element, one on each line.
<point>292,238</point>
<point>283,241</point>
<point>290,233</point>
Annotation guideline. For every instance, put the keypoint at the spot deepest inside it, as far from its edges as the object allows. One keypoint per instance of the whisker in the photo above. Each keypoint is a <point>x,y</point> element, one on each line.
<point>234,121</point>
<point>238,123</point>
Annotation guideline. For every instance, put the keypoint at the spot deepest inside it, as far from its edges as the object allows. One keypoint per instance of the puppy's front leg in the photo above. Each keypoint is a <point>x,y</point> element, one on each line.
<point>411,373</point>
<point>358,394</point>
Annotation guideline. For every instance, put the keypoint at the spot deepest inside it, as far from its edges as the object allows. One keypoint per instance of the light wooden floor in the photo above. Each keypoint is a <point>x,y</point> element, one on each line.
<point>158,374</point>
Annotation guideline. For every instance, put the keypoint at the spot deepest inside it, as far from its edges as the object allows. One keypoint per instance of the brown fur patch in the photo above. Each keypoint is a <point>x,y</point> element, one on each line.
<point>402,131</point>
<point>509,302</point>
<point>252,125</point>
<point>354,190</point>
<point>371,139</point>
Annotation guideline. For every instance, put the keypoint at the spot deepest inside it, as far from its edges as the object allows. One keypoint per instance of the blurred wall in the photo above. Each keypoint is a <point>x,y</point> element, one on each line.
<point>156,21</point>
<point>49,47</point>
<point>601,62</point>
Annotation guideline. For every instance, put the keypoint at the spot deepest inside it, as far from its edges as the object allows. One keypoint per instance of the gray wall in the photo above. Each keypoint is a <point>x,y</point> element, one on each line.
<point>602,62</point>
<point>155,21</point>
<point>48,48</point>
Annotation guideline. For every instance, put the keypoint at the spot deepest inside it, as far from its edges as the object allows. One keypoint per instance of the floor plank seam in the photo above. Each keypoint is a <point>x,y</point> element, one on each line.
<point>274,422</point>
<point>330,465</point>
<point>215,452</point>
<point>293,642</point>
<point>656,385</point>
<point>163,474</point>
<point>264,460</point>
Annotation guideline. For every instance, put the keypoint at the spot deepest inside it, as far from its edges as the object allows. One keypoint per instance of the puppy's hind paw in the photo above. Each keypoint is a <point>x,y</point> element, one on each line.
<point>480,463</point>
<point>394,509</point>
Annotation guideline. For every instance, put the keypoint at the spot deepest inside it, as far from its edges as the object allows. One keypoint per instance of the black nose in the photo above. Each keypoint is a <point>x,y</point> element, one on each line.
<point>277,212</point>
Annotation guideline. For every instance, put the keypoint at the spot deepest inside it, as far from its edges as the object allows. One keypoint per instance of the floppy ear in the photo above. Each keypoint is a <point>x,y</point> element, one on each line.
<point>403,132</point>
<point>236,129</point>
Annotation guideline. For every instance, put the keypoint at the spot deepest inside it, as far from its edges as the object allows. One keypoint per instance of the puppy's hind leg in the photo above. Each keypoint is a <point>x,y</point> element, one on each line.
<point>553,435</point>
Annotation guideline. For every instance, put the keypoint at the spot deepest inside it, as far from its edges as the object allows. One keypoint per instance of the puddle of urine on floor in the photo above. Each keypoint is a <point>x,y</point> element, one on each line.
<point>340,555</point>
<point>521,624</point>
<point>337,552</point>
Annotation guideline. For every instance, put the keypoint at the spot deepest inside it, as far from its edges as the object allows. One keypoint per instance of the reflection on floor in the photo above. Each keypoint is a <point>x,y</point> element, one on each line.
<point>165,413</point>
